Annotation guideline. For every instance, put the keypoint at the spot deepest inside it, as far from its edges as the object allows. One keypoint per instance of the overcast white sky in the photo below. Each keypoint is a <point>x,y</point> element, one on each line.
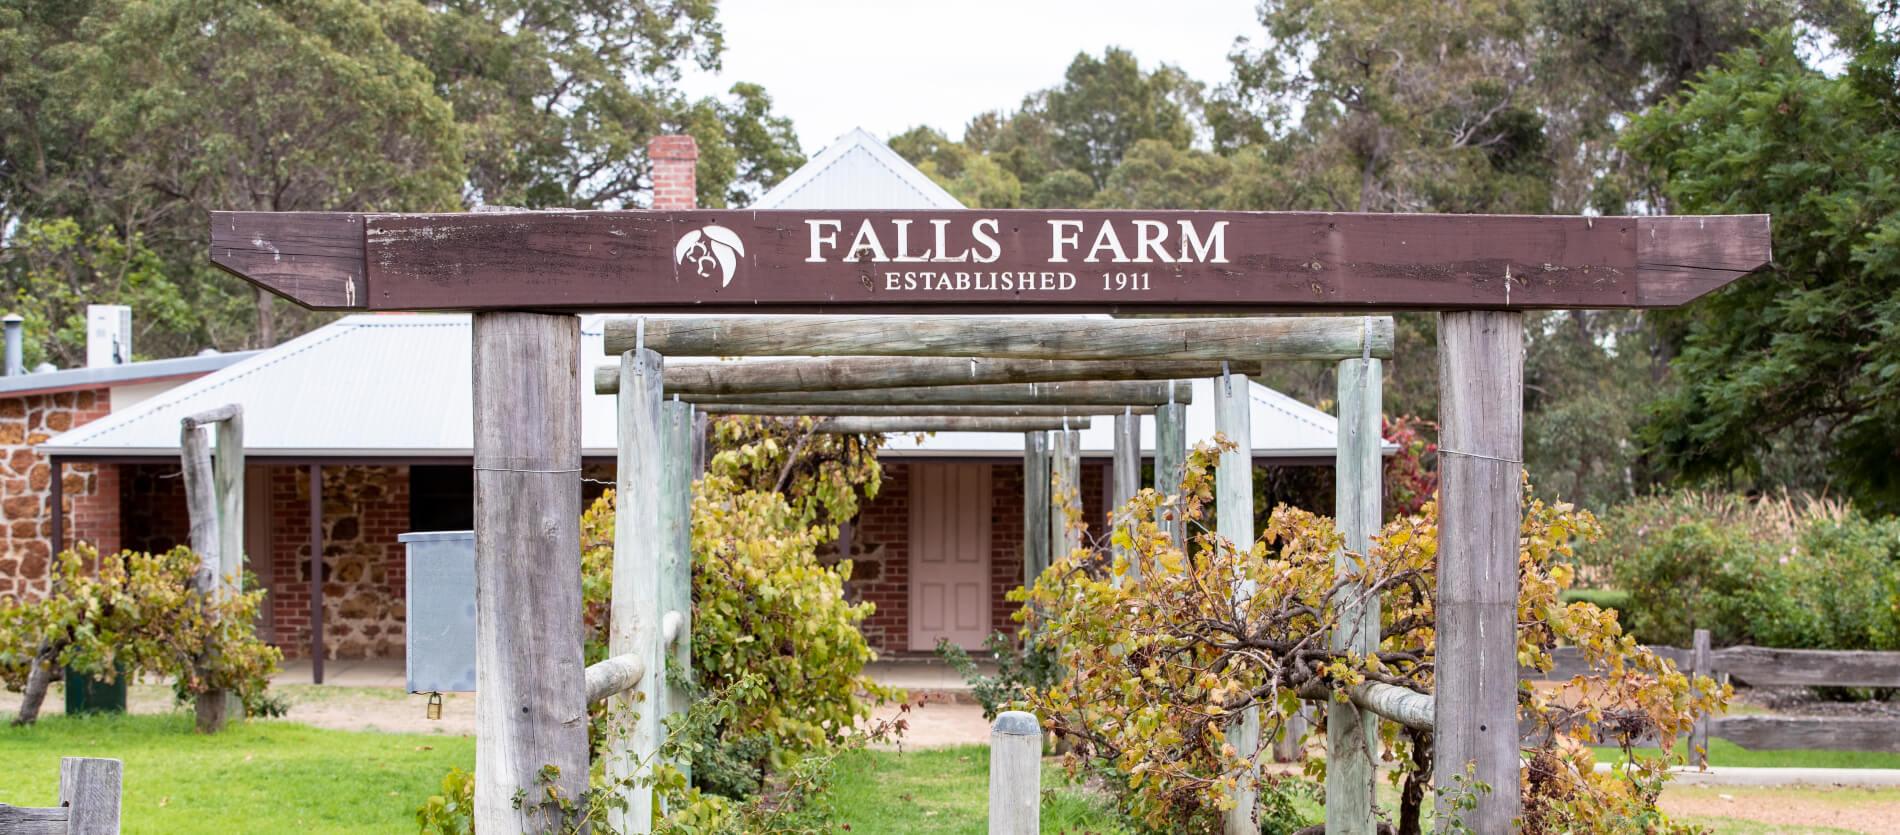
<point>888,65</point>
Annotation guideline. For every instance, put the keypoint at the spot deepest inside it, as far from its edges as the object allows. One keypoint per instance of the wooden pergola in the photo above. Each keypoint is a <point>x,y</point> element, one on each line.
<point>526,273</point>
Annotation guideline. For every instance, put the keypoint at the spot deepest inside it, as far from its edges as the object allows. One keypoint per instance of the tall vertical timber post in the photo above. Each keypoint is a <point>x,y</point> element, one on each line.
<point>228,472</point>
<point>1036,506</point>
<point>640,546</point>
<point>530,702</point>
<point>1233,505</point>
<point>1127,481</point>
<point>676,563</point>
<point>1481,419</point>
<point>1065,457</point>
<point>1171,466</point>
<point>1352,734</point>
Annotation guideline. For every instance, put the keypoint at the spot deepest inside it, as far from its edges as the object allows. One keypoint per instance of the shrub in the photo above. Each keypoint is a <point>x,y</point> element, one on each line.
<point>1021,668</point>
<point>1779,572</point>
<point>1157,663</point>
<point>764,604</point>
<point>134,613</point>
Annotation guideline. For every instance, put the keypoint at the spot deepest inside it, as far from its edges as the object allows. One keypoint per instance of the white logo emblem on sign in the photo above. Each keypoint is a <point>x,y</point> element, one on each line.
<point>701,250</point>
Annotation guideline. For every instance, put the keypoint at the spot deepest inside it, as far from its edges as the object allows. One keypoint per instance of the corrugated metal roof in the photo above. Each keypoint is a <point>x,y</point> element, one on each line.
<point>107,376</point>
<point>378,385</point>
<point>857,172</point>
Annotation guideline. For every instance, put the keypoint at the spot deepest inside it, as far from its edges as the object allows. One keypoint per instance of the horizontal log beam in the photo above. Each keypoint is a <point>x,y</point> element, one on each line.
<point>211,416</point>
<point>1764,667</point>
<point>839,373</point>
<point>833,410</point>
<point>1809,733</point>
<point>877,425</point>
<point>1244,339</point>
<point>983,260</point>
<point>1403,705</point>
<point>1126,393</point>
<point>612,676</point>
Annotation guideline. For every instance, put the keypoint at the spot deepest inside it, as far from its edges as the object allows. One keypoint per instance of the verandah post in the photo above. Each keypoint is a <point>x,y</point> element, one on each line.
<point>1233,505</point>
<point>1352,734</point>
<point>1481,419</point>
<point>640,546</point>
<point>530,688</point>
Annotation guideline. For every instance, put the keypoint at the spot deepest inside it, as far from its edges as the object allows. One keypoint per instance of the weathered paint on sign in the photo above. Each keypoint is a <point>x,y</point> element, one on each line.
<point>984,260</point>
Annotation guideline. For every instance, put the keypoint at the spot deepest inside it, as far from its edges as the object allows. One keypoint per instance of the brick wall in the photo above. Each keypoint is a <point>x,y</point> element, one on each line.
<point>364,509</point>
<point>880,552</point>
<point>26,478</point>
<point>674,179</point>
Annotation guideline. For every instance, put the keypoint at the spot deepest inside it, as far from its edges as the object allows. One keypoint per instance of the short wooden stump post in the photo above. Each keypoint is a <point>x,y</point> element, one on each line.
<point>1015,774</point>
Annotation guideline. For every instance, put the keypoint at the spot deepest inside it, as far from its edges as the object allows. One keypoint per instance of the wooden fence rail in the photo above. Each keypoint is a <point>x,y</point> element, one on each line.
<point>1766,667</point>
<point>88,802</point>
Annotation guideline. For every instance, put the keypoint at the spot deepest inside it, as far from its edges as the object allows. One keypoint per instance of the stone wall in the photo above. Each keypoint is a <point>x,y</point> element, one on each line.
<point>364,509</point>
<point>26,477</point>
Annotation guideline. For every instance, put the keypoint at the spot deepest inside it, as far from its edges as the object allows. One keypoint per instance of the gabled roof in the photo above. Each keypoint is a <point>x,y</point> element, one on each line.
<point>857,172</point>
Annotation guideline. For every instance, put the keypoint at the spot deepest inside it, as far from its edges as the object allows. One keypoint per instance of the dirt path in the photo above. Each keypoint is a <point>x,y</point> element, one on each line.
<point>1801,809</point>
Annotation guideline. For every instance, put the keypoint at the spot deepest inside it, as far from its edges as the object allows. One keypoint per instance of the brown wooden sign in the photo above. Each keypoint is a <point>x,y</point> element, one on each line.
<point>983,261</point>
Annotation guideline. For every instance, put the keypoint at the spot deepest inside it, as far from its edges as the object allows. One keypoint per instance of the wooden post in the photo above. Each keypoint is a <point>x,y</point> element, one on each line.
<point>1065,456</point>
<point>1127,479</point>
<point>676,558</point>
<point>1036,506</point>
<point>1233,503</point>
<point>1171,465</point>
<point>228,473</point>
<point>316,573</point>
<point>201,502</point>
<point>1481,404</point>
<point>1015,774</point>
<point>702,438</point>
<point>530,683</point>
<point>1702,663</point>
<point>1352,733</point>
<point>640,547</point>
<point>90,790</point>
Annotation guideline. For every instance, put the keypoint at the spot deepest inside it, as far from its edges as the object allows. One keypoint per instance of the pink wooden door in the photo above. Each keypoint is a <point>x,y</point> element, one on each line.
<point>949,554</point>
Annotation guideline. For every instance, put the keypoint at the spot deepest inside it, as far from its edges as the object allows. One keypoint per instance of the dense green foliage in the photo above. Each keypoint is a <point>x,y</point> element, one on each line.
<point>766,609</point>
<point>131,613</point>
<point>124,122</point>
<point>1790,376</point>
<point>1789,573</point>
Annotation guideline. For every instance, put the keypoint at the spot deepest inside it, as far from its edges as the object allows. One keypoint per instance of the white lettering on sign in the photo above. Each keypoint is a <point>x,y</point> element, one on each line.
<point>892,242</point>
<point>961,280</point>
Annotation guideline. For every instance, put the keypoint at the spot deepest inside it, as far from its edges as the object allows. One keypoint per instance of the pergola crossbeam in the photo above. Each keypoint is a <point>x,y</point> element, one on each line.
<point>841,373</point>
<point>839,410</point>
<point>874,425</point>
<point>1247,339</point>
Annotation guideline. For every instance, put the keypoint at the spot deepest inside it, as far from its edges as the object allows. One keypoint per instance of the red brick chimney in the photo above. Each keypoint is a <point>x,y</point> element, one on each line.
<point>673,182</point>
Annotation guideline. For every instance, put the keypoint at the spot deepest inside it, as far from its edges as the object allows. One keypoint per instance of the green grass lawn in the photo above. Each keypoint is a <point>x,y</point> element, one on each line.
<point>1723,752</point>
<point>260,776</point>
<point>947,790</point>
